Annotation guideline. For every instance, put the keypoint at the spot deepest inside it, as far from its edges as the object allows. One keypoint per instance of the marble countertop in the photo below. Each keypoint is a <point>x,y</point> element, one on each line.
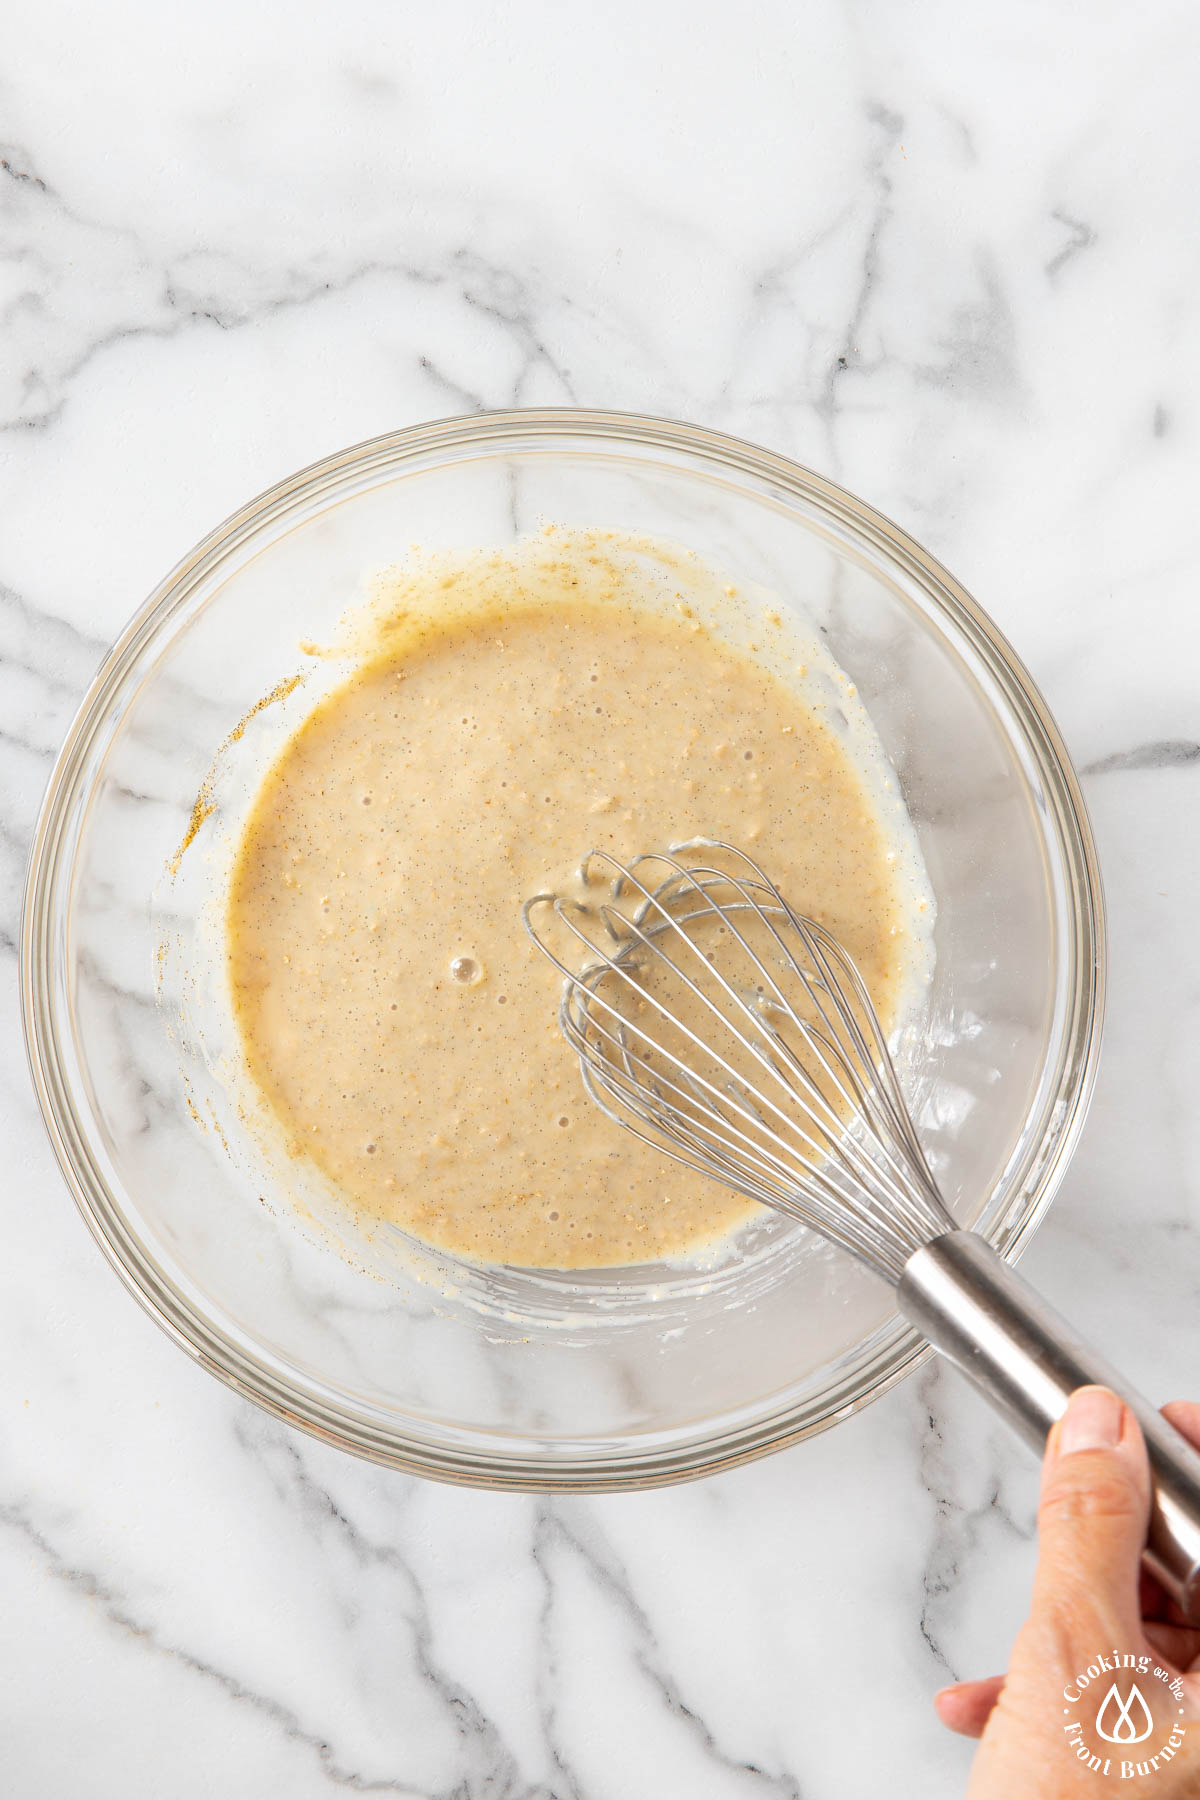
<point>946,255</point>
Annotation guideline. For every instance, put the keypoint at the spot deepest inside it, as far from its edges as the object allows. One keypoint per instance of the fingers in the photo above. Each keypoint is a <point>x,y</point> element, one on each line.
<point>1092,1520</point>
<point>967,1706</point>
<point>1091,1532</point>
<point>1184,1415</point>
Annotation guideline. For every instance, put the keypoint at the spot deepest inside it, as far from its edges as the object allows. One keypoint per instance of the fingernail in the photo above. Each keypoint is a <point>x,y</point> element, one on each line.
<point>1092,1421</point>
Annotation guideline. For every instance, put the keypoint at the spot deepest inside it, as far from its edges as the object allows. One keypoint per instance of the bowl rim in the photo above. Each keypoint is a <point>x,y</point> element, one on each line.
<point>693,1454</point>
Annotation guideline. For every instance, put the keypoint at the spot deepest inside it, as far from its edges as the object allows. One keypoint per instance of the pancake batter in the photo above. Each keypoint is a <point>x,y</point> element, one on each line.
<point>393,1012</point>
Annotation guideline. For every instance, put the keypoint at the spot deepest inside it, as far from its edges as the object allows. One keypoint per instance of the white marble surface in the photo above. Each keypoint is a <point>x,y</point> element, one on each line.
<point>948,255</point>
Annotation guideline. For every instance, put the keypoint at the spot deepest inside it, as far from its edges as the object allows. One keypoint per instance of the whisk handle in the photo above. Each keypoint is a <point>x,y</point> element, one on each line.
<point>1026,1359</point>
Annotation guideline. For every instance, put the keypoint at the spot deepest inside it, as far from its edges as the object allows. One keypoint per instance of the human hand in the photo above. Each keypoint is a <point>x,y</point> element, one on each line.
<point>1049,1729</point>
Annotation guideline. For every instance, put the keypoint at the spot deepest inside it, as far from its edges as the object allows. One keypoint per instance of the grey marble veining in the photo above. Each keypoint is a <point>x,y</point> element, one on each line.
<point>896,243</point>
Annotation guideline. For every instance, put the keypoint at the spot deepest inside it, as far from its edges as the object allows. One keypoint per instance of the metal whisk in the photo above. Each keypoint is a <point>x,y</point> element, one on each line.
<point>736,1036</point>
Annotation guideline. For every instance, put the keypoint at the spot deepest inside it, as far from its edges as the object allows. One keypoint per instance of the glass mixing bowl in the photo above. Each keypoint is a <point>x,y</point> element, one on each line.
<point>502,1377</point>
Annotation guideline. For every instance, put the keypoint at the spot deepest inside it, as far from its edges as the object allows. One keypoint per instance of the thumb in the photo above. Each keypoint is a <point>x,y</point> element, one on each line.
<point>1092,1520</point>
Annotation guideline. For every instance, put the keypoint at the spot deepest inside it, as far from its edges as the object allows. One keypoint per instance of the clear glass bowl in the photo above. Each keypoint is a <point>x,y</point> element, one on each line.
<point>499,1377</point>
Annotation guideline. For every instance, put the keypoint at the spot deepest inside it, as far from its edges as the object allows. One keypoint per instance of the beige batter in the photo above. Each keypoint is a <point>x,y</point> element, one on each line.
<point>393,1012</point>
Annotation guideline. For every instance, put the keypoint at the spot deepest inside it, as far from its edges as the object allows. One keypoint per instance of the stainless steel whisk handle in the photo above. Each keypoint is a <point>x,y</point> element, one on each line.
<point>1026,1359</point>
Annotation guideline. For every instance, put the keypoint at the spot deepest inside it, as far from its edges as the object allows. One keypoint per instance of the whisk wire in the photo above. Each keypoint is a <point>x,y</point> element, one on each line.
<point>726,1074</point>
<point>769,1190</point>
<point>580,1035</point>
<point>879,1096</point>
<point>863,1097</point>
<point>648,1096</point>
<point>646,1091</point>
